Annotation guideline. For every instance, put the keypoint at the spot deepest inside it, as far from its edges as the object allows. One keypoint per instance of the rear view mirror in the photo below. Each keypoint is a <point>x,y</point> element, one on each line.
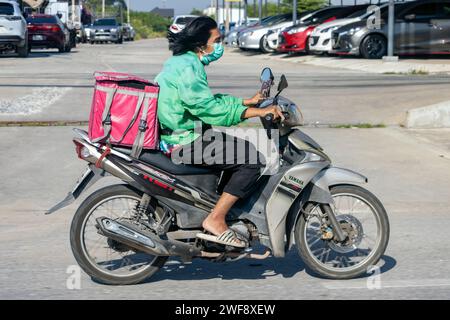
<point>266,75</point>
<point>283,84</point>
<point>266,81</point>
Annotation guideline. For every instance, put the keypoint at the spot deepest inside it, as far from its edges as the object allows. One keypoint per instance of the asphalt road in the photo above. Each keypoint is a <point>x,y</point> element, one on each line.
<point>407,170</point>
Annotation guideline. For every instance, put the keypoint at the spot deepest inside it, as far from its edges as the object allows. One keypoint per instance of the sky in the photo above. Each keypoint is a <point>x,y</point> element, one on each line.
<point>185,6</point>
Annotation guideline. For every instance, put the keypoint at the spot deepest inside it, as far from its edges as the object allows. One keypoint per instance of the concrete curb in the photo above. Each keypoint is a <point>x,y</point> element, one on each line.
<point>434,116</point>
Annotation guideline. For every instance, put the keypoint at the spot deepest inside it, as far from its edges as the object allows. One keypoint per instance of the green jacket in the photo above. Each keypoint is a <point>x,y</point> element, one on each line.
<point>185,98</point>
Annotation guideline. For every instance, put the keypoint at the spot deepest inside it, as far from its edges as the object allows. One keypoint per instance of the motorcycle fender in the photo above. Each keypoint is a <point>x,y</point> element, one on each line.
<point>318,190</point>
<point>90,177</point>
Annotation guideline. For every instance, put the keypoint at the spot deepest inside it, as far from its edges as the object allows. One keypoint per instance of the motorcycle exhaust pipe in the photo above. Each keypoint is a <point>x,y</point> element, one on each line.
<point>90,154</point>
<point>147,243</point>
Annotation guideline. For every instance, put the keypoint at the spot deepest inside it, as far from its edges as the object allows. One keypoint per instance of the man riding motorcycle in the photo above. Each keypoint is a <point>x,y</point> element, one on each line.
<point>185,99</point>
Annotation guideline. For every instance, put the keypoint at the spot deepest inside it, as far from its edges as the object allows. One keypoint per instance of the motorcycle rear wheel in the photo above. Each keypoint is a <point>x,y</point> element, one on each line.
<point>340,253</point>
<point>145,265</point>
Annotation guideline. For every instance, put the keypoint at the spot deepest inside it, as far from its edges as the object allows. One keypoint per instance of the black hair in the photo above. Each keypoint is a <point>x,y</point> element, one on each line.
<point>195,35</point>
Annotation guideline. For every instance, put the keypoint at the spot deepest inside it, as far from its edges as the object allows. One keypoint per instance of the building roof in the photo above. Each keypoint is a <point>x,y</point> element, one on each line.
<point>167,13</point>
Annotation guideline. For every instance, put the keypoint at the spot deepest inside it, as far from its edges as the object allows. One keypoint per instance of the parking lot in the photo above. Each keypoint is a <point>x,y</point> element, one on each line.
<point>407,169</point>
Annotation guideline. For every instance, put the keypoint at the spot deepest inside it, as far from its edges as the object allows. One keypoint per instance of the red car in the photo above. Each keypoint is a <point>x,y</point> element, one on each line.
<point>296,38</point>
<point>48,31</point>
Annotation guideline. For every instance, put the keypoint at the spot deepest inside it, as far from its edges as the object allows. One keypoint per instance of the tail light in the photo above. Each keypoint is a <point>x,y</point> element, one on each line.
<point>82,151</point>
<point>173,27</point>
<point>44,27</point>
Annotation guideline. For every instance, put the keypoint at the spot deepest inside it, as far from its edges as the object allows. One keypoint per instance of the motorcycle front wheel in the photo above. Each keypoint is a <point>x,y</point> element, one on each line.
<point>104,259</point>
<point>362,217</point>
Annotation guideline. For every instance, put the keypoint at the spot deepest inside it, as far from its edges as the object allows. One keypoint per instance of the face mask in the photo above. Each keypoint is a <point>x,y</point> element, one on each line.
<point>213,56</point>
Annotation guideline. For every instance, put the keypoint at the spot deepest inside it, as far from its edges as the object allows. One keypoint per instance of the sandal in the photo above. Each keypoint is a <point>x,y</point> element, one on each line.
<point>228,238</point>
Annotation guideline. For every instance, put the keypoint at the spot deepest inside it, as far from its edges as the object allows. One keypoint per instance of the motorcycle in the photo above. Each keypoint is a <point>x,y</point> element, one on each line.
<point>124,233</point>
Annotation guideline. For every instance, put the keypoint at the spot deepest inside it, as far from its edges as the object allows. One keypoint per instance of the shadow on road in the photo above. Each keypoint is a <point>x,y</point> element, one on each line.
<point>246,269</point>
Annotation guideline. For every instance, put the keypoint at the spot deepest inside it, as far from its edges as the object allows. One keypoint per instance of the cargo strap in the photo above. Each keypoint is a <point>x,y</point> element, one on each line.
<point>107,151</point>
<point>139,141</point>
<point>106,117</point>
<point>136,112</point>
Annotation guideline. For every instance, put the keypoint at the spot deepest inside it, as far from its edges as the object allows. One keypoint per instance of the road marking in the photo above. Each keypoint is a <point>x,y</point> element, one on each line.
<point>34,102</point>
<point>385,284</point>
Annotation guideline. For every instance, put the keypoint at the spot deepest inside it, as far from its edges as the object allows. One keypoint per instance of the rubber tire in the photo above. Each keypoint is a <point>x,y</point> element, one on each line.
<point>24,51</point>
<point>261,45</point>
<point>68,48</point>
<point>75,239</point>
<point>363,47</point>
<point>120,41</point>
<point>307,50</point>
<point>62,49</point>
<point>317,268</point>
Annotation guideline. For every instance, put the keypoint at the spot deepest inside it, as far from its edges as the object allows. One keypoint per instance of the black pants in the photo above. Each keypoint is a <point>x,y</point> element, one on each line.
<point>239,160</point>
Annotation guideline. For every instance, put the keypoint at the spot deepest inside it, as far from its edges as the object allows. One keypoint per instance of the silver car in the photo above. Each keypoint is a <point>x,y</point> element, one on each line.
<point>106,29</point>
<point>256,37</point>
<point>13,29</point>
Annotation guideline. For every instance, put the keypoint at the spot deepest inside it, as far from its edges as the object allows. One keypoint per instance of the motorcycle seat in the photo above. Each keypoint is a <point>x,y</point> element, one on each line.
<point>158,159</point>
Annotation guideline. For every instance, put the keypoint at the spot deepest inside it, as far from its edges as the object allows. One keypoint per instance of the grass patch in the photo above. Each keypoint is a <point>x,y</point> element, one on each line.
<point>412,72</point>
<point>43,123</point>
<point>359,126</point>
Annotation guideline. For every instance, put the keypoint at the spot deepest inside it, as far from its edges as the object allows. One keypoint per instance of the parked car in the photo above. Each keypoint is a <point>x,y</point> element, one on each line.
<point>48,31</point>
<point>232,38</point>
<point>179,22</point>
<point>296,38</point>
<point>320,37</point>
<point>82,36</point>
<point>13,29</point>
<point>106,30</point>
<point>256,37</point>
<point>421,27</point>
<point>274,35</point>
<point>128,32</point>
<point>87,30</point>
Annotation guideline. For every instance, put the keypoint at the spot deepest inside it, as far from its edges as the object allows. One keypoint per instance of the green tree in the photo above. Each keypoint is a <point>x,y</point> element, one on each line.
<point>197,12</point>
<point>286,7</point>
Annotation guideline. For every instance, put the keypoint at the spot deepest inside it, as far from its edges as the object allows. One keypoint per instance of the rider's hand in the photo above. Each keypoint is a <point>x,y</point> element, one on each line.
<point>273,109</point>
<point>257,98</point>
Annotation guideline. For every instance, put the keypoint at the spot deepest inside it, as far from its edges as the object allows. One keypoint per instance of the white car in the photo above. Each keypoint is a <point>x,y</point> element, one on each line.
<point>13,28</point>
<point>180,22</point>
<point>320,38</point>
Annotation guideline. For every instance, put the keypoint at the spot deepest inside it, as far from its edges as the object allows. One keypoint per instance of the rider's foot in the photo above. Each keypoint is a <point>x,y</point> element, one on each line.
<point>219,229</point>
<point>214,225</point>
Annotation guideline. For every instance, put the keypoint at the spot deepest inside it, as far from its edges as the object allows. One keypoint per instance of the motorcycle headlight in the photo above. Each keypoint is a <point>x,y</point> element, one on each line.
<point>296,30</point>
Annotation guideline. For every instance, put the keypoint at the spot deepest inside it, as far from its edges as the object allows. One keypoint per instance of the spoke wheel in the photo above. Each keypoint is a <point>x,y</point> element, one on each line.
<point>365,222</point>
<point>104,259</point>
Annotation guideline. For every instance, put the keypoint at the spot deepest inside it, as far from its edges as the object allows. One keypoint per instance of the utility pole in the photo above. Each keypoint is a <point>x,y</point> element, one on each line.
<point>103,8</point>
<point>73,13</point>
<point>227,21</point>
<point>278,6</point>
<point>217,10</point>
<point>294,11</point>
<point>245,11</point>
<point>391,22</point>
<point>260,10</point>
<point>128,11</point>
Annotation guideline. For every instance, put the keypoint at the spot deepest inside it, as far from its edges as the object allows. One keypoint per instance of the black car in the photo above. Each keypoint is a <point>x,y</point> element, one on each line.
<point>421,27</point>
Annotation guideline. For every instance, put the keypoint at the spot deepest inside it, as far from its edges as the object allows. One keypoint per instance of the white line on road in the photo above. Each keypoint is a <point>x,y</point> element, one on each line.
<point>32,103</point>
<point>385,284</point>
